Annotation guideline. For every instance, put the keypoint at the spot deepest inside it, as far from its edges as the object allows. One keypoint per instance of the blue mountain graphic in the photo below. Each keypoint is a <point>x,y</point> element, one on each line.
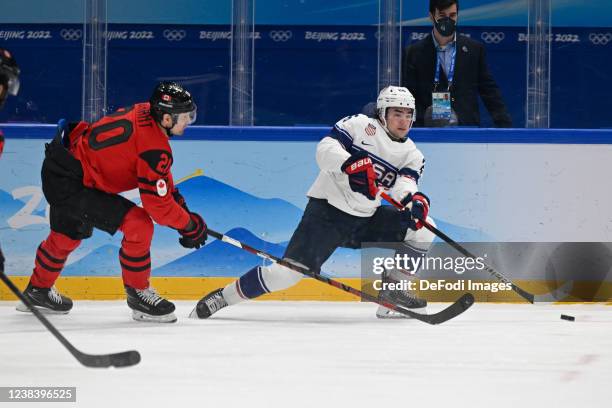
<point>8,206</point>
<point>102,261</point>
<point>221,259</point>
<point>257,222</point>
<point>225,207</point>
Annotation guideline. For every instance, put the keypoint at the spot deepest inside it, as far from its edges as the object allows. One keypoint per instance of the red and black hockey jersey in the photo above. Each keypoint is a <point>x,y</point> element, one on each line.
<point>127,150</point>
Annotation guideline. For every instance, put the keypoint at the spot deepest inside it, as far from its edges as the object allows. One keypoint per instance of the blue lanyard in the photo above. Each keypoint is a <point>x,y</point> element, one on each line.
<point>451,72</point>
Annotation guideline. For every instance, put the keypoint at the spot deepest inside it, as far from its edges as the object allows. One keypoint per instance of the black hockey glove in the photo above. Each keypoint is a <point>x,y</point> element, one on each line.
<point>417,209</point>
<point>194,235</point>
<point>362,177</point>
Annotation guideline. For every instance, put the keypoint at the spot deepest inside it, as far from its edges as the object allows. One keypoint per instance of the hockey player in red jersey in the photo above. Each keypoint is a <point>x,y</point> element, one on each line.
<point>9,85</point>
<point>82,175</point>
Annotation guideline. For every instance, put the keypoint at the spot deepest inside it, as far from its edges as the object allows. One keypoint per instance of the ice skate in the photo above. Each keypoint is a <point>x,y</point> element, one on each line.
<point>148,306</point>
<point>48,300</point>
<point>209,304</point>
<point>403,298</point>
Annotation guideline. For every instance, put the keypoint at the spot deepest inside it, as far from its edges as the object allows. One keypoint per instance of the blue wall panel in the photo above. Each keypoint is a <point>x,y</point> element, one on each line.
<point>303,74</point>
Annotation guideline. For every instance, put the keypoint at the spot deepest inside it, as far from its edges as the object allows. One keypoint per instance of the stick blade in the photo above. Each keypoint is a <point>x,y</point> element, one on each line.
<point>455,309</point>
<point>461,305</point>
<point>123,359</point>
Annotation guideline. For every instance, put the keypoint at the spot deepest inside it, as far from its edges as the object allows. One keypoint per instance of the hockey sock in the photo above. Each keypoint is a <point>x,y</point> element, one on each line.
<point>134,256</point>
<point>260,280</point>
<point>51,256</point>
<point>135,269</point>
<point>249,286</point>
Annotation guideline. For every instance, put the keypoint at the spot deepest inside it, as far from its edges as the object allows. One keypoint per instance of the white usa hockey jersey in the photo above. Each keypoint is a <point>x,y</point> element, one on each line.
<point>398,165</point>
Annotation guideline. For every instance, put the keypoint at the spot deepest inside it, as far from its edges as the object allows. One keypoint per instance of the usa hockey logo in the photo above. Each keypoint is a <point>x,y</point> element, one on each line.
<point>370,130</point>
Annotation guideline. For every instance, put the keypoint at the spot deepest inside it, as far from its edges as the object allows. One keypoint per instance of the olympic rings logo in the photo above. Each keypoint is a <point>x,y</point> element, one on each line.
<point>71,34</point>
<point>175,35</point>
<point>280,36</point>
<point>600,38</point>
<point>492,37</point>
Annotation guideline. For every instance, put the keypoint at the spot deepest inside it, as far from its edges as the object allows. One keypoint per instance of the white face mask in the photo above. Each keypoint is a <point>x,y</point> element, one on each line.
<point>186,118</point>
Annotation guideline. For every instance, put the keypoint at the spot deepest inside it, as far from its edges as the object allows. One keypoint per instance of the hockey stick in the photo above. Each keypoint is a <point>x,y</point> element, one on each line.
<point>124,359</point>
<point>455,309</point>
<point>524,294</point>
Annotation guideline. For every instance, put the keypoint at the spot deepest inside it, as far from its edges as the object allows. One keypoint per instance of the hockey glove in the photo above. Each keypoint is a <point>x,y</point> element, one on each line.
<point>417,209</point>
<point>362,177</point>
<point>180,200</point>
<point>194,235</point>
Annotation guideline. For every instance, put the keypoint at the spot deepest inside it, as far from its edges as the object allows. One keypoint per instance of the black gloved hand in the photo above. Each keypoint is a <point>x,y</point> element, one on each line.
<point>194,235</point>
<point>417,209</point>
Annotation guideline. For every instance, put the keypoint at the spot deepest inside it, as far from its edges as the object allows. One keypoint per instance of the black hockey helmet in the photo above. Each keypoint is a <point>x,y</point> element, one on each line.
<point>171,98</point>
<point>9,75</point>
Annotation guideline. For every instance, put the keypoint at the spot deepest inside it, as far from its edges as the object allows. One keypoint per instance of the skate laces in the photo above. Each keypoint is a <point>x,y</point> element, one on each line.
<point>149,295</point>
<point>409,294</point>
<point>215,302</point>
<point>54,295</point>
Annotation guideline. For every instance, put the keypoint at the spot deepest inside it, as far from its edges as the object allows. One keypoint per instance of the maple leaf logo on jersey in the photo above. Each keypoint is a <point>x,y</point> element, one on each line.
<point>166,98</point>
<point>162,187</point>
<point>160,161</point>
<point>370,130</point>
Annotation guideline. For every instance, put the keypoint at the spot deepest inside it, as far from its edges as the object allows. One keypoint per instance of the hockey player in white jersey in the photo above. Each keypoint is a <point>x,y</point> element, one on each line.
<point>360,156</point>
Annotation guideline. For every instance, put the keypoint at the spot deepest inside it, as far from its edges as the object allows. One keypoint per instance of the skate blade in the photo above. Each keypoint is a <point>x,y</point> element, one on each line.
<point>23,308</point>
<point>384,313</point>
<point>194,314</point>
<point>144,317</point>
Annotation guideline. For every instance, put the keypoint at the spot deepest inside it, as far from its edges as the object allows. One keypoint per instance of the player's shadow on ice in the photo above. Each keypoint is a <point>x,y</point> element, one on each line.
<point>31,327</point>
<point>328,320</point>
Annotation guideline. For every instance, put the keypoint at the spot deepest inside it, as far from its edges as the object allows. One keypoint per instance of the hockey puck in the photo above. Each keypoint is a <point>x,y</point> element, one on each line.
<point>568,317</point>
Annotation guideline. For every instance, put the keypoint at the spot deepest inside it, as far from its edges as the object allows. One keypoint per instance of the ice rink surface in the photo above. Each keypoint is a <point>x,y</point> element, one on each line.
<point>318,354</point>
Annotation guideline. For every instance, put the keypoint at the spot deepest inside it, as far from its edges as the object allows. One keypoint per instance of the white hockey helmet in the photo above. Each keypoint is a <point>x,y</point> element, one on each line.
<point>394,97</point>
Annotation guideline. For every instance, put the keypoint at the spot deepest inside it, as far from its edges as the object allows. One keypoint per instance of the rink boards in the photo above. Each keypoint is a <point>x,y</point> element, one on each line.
<point>111,288</point>
<point>486,185</point>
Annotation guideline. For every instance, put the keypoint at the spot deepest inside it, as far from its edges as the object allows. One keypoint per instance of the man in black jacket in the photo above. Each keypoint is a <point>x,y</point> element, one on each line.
<point>450,67</point>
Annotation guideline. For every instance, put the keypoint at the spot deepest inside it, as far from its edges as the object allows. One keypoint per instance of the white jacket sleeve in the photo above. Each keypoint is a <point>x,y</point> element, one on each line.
<point>331,154</point>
